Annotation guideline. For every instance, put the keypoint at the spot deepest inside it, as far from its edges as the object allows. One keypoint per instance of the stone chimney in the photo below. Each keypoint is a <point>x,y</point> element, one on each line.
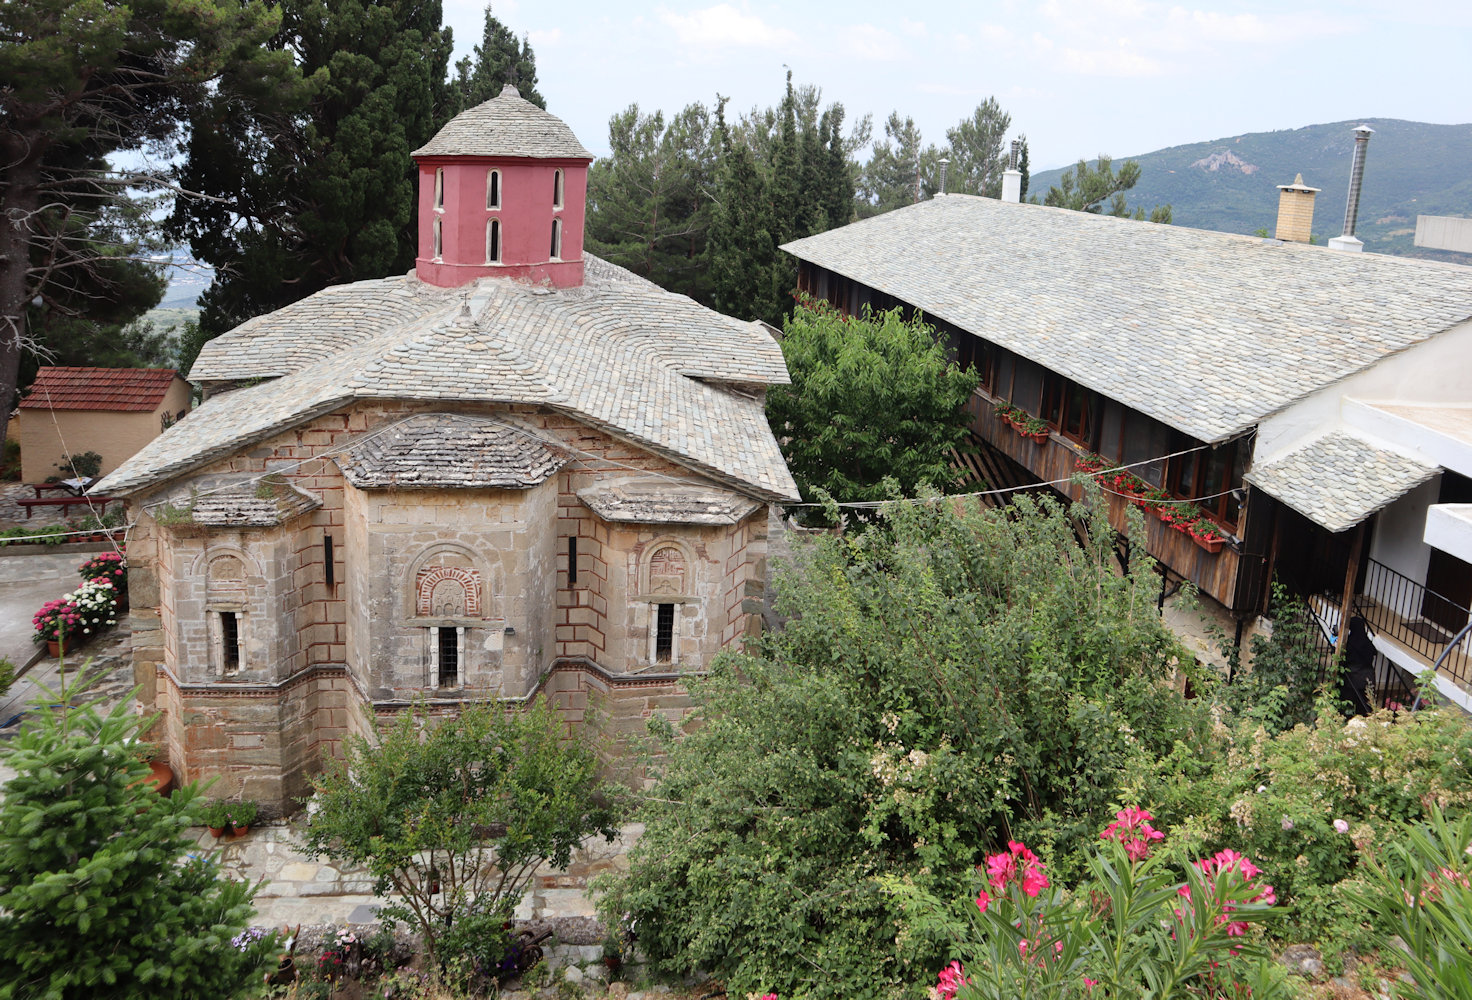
<point>1296,211</point>
<point>502,193</point>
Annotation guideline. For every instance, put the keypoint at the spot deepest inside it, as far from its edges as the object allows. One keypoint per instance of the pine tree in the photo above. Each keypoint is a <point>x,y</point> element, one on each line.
<point>97,899</point>
<point>892,177</point>
<point>1023,165</point>
<point>80,83</point>
<point>1087,189</point>
<point>649,203</point>
<point>499,60</point>
<point>327,195</point>
<point>976,151</point>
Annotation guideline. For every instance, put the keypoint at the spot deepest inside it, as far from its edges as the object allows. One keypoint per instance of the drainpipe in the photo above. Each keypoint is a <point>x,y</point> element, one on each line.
<point>1347,240</point>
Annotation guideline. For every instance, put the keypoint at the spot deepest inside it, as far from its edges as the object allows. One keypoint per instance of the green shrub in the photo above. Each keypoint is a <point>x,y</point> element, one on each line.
<point>453,817</point>
<point>1311,804</point>
<point>87,465</point>
<point>952,679</point>
<point>98,896</point>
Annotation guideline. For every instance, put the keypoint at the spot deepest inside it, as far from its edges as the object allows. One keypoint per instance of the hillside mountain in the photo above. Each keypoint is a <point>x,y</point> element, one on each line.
<point>1231,184</point>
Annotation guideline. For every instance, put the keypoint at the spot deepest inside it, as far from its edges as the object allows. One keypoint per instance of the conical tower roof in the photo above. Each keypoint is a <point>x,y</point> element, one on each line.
<point>506,125</point>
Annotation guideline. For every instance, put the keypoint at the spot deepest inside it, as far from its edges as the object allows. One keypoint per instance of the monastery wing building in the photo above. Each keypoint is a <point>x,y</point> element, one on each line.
<point>517,469</point>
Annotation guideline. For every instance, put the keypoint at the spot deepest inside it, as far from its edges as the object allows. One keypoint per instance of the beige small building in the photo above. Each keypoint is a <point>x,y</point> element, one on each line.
<point>112,411</point>
<point>461,483</point>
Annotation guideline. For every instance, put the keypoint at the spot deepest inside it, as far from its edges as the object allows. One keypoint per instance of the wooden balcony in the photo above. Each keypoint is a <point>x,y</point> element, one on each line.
<point>1055,461</point>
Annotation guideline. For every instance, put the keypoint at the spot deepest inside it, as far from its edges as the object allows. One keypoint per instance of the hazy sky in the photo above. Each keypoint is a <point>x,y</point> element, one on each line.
<point>1080,77</point>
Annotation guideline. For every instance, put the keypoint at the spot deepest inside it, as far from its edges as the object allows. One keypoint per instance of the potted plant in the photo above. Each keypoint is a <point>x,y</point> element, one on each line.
<point>56,624</point>
<point>1092,464</point>
<point>1035,428</point>
<point>240,815</point>
<point>1010,414</point>
<point>613,953</point>
<point>216,816</point>
<point>109,566</point>
<point>1207,535</point>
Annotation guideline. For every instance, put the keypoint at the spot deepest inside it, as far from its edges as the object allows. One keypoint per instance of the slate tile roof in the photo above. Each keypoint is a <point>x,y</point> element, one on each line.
<point>1339,479</point>
<point>506,125</point>
<point>617,353</point>
<point>660,501</point>
<point>249,505</point>
<point>112,389</point>
<point>1207,332</point>
<point>447,450</point>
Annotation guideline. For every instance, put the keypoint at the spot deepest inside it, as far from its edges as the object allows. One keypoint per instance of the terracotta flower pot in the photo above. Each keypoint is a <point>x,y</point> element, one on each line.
<point>217,831</point>
<point>240,830</point>
<point>1209,544</point>
<point>53,648</point>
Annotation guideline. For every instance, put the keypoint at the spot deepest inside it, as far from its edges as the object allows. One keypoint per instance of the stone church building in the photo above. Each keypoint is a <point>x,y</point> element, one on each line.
<point>516,470</point>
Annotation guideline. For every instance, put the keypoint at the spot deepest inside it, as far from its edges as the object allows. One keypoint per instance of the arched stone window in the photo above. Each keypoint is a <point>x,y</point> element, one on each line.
<point>666,582</point>
<point>225,598</point>
<point>493,189</point>
<point>556,239</point>
<point>493,241</point>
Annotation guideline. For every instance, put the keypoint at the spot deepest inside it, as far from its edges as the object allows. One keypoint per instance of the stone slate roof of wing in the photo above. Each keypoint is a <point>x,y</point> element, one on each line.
<point>603,353</point>
<point>1207,332</point>
<point>249,505</point>
<point>317,327</point>
<point>660,501</point>
<point>446,450</point>
<point>1338,480</point>
<point>506,125</point>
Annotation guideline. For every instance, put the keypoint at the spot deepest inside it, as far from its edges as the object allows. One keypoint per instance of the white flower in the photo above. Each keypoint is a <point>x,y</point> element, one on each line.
<point>1341,826</point>
<point>1287,823</point>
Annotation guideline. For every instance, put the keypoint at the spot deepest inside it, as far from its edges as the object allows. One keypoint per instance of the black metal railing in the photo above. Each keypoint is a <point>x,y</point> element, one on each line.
<point>1419,619</point>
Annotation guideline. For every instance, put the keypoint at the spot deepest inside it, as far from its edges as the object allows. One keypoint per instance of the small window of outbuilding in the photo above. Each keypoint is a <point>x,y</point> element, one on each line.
<point>493,241</point>
<point>556,239</point>
<point>493,190</point>
<point>556,189</point>
<point>439,189</point>
<point>439,243</point>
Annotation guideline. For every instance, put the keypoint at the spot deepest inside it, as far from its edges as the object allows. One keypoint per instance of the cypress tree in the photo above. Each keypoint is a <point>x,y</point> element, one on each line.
<point>742,247</point>
<point>499,59</point>
<point>326,195</point>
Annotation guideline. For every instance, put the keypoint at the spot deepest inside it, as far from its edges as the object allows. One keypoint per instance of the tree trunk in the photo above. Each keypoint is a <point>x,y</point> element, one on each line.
<point>18,203</point>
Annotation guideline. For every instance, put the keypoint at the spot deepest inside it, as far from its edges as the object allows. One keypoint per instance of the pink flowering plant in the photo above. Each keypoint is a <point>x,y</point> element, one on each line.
<point>85,611</point>
<point>109,566</point>
<point>1132,928</point>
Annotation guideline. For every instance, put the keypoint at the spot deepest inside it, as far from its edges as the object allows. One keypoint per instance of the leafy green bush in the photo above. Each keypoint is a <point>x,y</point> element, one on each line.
<point>952,679</point>
<point>1313,803</point>
<point>453,817</point>
<point>97,897</point>
<point>87,465</point>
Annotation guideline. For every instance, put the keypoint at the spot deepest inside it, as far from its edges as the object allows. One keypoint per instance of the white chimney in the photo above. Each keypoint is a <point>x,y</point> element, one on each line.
<point>943,164</point>
<point>1012,177</point>
<point>1347,240</point>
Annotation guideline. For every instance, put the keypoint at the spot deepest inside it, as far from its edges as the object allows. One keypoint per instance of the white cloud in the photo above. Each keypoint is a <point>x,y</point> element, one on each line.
<point>1118,62</point>
<point>723,26</point>
<point>915,29</point>
<point>873,43</point>
<point>541,39</point>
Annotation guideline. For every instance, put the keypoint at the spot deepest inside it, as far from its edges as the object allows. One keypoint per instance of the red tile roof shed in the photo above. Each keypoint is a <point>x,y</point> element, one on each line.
<point>115,389</point>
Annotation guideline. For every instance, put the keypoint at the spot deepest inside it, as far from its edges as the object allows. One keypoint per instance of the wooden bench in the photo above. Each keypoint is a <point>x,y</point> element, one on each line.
<point>65,503</point>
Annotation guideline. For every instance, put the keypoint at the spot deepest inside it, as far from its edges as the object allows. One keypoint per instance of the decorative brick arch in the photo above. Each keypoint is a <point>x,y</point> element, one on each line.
<point>440,587</point>
<point>667,569</point>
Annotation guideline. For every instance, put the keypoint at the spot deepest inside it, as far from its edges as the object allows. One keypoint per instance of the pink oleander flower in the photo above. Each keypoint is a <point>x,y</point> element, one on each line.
<point>1131,827</point>
<point>1090,983</point>
<point>983,900</point>
<point>1018,861</point>
<point>949,981</point>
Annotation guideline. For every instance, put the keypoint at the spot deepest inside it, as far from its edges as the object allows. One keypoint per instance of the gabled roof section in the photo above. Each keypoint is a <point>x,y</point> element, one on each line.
<point>445,450</point>
<point>135,390</point>
<point>660,501</point>
<point>1340,479</point>
<point>506,125</point>
<point>617,353</point>
<point>1206,332</point>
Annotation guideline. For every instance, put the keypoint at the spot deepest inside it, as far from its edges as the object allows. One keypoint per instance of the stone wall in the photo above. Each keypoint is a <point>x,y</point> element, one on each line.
<point>318,660</point>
